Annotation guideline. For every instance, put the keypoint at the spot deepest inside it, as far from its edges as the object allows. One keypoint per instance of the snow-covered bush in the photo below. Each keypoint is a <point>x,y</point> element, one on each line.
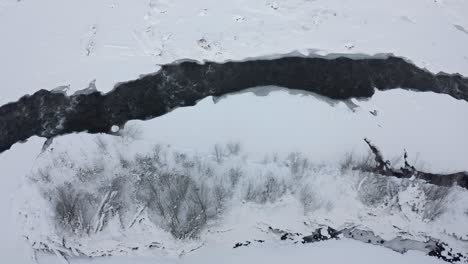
<point>233,148</point>
<point>352,161</point>
<point>437,201</point>
<point>297,164</point>
<point>176,201</point>
<point>268,189</point>
<point>72,209</point>
<point>130,132</point>
<point>377,190</point>
<point>112,189</point>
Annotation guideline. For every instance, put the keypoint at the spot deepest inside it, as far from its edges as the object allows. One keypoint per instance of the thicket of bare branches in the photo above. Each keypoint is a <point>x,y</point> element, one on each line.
<point>182,192</point>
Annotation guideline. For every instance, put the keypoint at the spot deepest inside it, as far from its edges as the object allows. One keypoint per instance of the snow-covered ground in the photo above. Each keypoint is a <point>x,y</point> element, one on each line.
<point>429,126</point>
<point>269,128</point>
<point>50,43</point>
<point>349,252</point>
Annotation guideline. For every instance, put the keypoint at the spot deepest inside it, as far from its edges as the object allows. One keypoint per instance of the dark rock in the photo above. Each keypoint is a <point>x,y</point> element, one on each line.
<point>442,251</point>
<point>240,244</point>
<point>321,234</point>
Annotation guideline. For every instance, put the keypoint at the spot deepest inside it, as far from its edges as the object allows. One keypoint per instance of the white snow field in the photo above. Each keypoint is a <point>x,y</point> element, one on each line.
<point>323,131</point>
<point>326,252</point>
<point>51,43</point>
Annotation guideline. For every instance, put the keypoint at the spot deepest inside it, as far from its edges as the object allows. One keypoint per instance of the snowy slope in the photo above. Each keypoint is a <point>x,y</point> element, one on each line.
<point>350,252</point>
<point>322,130</point>
<point>51,43</point>
<point>430,127</point>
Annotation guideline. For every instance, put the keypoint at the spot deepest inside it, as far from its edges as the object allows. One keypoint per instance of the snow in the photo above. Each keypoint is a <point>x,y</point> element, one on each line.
<point>53,43</point>
<point>325,130</point>
<point>15,165</point>
<point>325,252</point>
<point>335,200</point>
<point>68,44</point>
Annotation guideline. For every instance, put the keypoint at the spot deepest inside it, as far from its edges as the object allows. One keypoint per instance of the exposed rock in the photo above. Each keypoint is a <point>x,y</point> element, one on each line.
<point>240,244</point>
<point>321,234</point>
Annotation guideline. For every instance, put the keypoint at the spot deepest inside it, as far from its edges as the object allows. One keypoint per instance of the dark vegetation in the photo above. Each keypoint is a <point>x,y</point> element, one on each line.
<point>384,167</point>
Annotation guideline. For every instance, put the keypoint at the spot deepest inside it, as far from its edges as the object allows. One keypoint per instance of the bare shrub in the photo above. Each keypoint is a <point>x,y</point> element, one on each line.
<point>364,163</point>
<point>73,210</point>
<point>131,132</point>
<point>184,161</point>
<point>44,175</point>
<point>218,153</point>
<point>149,163</point>
<point>268,191</point>
<point>251,192</point>
<point>90,172</point>
<point>124,163</point>
<point>307,198</point>
<point>108,207</point>
<point>234,174</point>
<point>62,160</point>
<point>221,194</point>
<point>437,199</point>
<point>101,144</point>
<point>180,157</point>
<point>183,206</point>
<point>377,190</point>
<point>233,148</point>
<point>274,189</point>
<point>275,158</point>
<point>348,162</point>
<point>297,164</point>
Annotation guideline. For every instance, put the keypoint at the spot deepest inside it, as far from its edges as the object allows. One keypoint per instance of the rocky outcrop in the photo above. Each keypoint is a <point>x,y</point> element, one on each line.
<point>49,114</point>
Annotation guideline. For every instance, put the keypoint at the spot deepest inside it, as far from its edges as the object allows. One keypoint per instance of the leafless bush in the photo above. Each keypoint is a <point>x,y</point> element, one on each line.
<point>90,172</point>
<point>184,161</point>
<point>151,162</point>
<point>233,148</point>
<point>377,190</point>
<point>73,211</point>
<point>62,160</point>
<point>348,162</point>
<point>101,144</point>
<point>182,192</point>
<point>182,205</point>
<point>131,132</point>
<point>221,194</point>
<point>307,198</point>
<point>218,153</point>
<point>437,200</point>
<point>268,191</point>
<point>124,162</point>
<point>297,164</point>
<point>202,167</point>
<point>351,162</point>
<point>43,174</point>
<point>234,174</point>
